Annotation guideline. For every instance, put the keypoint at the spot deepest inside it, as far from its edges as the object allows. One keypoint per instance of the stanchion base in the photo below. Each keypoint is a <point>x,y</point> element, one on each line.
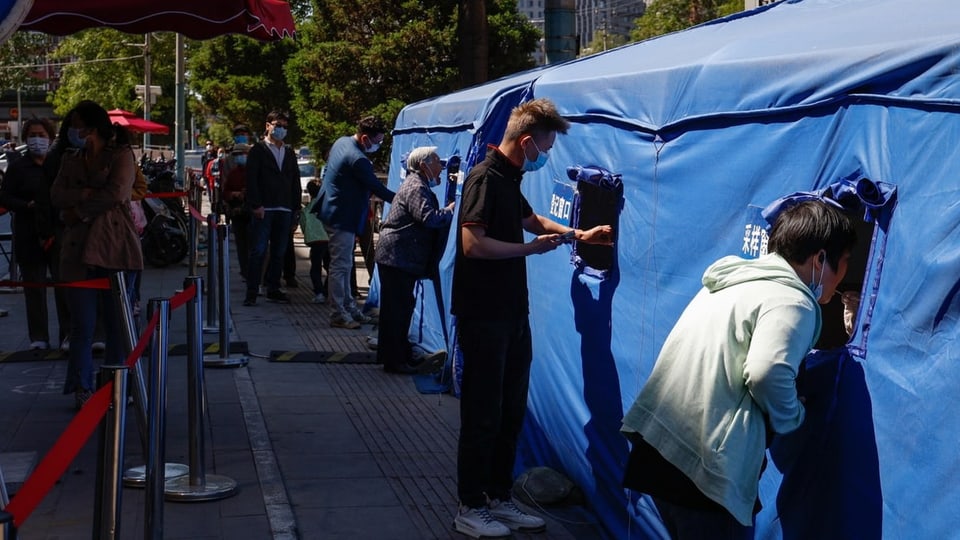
<point>230,361</point>
<point>215,487</point>
<point>136,477</point>
<point>211,329</point>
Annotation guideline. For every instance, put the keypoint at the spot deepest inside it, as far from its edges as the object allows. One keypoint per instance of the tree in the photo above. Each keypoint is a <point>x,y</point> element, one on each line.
<point>105,65</point>
<point>19,56</point>
<point>239,80</point>
<point>374,58</point>
<point>666,16</point>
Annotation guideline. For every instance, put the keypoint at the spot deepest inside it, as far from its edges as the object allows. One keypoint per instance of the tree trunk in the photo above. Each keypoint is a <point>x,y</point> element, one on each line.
<point>474,54</point>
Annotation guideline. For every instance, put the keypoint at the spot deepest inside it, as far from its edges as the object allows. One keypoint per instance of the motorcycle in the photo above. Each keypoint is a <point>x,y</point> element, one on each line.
<point>164,239</point>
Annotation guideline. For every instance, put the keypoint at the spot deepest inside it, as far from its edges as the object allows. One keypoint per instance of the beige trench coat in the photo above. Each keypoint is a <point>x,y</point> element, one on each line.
<point>99,193</point>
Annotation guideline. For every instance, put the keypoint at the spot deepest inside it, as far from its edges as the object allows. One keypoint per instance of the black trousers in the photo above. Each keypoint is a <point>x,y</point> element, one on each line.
<point>397,303</point>
<point>493,402</point>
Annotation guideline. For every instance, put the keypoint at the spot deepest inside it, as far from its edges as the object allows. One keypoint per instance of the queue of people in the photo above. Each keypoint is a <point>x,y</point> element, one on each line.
<point>70,196</point>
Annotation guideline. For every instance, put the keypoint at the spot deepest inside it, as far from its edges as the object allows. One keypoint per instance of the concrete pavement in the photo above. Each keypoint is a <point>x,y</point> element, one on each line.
<point>319,450</point>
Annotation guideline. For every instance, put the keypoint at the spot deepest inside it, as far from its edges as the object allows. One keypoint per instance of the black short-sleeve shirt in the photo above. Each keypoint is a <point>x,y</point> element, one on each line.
<point>492,289</point>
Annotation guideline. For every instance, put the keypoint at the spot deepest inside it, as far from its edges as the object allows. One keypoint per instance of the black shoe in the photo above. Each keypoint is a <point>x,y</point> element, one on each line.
<point>292,283</point>
<point>251,298</point>
<point>278,296</point>
<point>401,369</point>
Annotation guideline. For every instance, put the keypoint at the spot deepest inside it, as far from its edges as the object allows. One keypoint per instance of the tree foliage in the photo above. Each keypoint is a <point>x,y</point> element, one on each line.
<point>19,56</point>
<point>666,16</point>
<point>374,58</point>
<point>239,80</point>
<point>105,66</point>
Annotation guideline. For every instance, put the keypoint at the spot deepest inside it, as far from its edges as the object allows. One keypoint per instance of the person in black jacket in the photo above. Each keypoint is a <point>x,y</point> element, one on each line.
<point>26,192</point>
<point>273,194</point>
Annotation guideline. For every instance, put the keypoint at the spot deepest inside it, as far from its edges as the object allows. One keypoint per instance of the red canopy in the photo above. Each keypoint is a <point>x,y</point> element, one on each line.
<point>130,121</point>
<point>197,19</point>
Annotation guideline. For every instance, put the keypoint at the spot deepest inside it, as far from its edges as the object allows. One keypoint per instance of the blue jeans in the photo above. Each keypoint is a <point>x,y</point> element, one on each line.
<point>493,402</point>
<point>83,311</point>
<point>341,247</point>
<point>271,232</point>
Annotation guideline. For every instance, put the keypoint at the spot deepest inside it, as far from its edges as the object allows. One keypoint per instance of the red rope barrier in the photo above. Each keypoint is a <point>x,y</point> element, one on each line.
<point>68,445</point>
<point>166,195</point>
<point>97,283</point>
<point>196,214</point>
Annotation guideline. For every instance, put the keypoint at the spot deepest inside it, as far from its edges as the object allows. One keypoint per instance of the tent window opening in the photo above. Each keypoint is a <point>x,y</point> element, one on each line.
<point>869,204</point>
<point>839,315</point>
<point>598,200</point>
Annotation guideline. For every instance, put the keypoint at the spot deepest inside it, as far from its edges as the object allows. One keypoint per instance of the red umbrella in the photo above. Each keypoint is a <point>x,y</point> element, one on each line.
<point>130,121</point>
<point>197,19</point>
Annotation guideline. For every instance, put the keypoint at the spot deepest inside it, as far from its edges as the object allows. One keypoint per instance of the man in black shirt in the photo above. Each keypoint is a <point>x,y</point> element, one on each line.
<point>490,302</point>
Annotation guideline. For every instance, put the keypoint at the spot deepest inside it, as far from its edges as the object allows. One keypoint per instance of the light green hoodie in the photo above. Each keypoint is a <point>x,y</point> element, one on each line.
<point>726,371</point>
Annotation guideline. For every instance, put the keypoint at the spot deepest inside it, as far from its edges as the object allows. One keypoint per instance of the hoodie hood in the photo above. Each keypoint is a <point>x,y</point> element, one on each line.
<point>733,270</point>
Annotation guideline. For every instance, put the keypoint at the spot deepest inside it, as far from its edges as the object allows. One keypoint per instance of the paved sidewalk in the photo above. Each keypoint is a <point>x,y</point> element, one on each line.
<point>338,451</point>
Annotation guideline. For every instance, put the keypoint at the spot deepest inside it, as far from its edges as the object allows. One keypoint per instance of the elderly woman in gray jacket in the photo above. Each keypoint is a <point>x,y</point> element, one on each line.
<point>406,252</point>
<point>92,191</point>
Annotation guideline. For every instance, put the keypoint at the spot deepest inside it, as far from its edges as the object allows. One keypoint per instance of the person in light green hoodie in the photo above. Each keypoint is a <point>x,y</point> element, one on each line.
<point>725,379</point>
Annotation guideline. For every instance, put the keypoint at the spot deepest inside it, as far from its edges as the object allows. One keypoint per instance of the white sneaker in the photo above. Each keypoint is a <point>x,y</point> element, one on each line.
<point>479,523</point>
<point>65,346</point>
<point>319,299</point>
<point>508,513</point>
<point>39,346</point>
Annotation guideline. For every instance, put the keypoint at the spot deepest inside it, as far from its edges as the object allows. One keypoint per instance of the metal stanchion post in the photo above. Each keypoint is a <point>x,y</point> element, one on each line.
<point>192,229</point>
<point>157,416</point>
<point>213,251</point>
<point>223,358</point>
<point>106,514</point>
<point>197,485</point>
<point>136,477</point>
<point>7,530</point>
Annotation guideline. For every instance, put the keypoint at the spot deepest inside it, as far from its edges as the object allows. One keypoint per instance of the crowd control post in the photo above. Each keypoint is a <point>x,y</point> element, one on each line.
<point>136,477</point>
<point>197,485</point>
<point>157,417</point>
<point>194,194</point>
<point>7,530</point>
<point>223,357</point>
<point>213,251</point>
<point>107,500</point>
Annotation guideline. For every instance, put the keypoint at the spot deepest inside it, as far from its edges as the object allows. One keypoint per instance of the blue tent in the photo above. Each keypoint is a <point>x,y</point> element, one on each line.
<point>706,127</point>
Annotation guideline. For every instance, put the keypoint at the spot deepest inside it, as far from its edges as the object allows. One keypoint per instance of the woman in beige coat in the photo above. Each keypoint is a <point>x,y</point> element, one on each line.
<point>92,191</point>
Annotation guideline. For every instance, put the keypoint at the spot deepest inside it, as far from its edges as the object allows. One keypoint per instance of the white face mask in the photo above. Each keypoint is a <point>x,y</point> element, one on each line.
<point>817,287</point>
<point>38,146</point>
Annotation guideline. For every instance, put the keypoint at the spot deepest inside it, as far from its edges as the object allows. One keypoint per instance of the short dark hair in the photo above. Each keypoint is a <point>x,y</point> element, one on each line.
<point>371,126</point>
<point>537,118</point>
<point>809,226</point>
<point>275,115</point>
<point>47,126</point>
<point>240,128</point>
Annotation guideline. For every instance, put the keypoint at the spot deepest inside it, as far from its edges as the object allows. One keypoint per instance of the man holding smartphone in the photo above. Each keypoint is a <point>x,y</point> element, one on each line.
<point>491,305</point>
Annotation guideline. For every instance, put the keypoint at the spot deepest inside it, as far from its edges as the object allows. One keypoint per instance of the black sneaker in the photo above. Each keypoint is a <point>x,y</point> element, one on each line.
<point>278,296</point>
<point>250,299</point>
<point>292,283</point>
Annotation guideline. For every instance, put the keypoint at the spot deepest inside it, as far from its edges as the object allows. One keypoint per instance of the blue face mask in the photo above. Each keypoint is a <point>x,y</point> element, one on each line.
<point>536,164</point>
<point>240,139</point>
<point>76,141</point>
<point>240,160</point>
<point>279,132</point>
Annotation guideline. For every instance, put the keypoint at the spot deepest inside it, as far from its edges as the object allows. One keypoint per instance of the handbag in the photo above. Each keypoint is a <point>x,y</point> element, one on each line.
<point>312,228</point>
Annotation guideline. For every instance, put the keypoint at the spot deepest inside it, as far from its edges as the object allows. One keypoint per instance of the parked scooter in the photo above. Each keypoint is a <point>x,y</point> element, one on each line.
<point>164,239</point>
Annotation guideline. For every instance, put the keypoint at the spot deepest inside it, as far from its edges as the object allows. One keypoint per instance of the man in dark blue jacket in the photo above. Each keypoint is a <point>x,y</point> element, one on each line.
<point>348,181</point>
<point>273,194</point>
